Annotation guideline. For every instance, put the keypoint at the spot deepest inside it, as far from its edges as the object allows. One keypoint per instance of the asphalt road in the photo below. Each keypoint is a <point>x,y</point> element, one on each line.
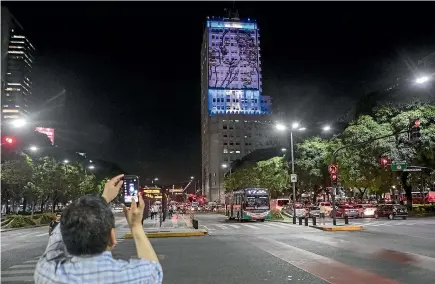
<point>386,252</point>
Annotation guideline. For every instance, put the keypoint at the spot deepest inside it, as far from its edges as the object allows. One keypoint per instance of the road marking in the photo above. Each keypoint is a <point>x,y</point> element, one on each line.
<point>18,279</point>
<point>23,266</point>
<point>250,226</point>
<point>31,261</point>
<point>322,267</point>
<point>235,226</point>
<point>223,227</point>
<point>18,271</point>
<point>278,225</point>
<point>40,235</point>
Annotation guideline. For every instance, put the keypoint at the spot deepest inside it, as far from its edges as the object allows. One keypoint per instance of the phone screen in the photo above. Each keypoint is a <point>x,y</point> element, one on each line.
<point>131,188</point>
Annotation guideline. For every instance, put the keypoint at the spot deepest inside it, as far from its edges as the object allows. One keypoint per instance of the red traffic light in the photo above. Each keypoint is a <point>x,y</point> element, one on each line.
<point>383,161</point>
<point>417,123</point>
<point>333,177</point>
<point>9,140</point>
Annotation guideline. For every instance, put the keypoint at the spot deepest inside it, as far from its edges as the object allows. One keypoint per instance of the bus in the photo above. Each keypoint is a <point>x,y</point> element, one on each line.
<point>248,204</point>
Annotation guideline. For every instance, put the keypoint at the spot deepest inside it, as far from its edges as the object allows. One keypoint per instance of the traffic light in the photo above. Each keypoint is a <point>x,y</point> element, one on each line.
<point>9,141</point>
<point>414,130</point>
<point>334,179</point>
<point>383,161</point>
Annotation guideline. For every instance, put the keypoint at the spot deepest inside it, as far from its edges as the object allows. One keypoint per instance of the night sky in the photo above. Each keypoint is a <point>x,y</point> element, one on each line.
<point>121,80</point>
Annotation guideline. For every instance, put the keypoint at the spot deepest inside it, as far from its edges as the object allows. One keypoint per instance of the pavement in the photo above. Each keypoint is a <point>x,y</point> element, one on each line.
<point>397,251</point>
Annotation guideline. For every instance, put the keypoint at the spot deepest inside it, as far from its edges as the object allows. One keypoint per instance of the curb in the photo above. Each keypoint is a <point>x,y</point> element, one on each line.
<point>170,234</point>
<point>339,229</point>
<point>21,228</point>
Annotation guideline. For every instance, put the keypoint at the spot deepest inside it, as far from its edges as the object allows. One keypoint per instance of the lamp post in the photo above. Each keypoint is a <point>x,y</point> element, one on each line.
<point>294,127</point>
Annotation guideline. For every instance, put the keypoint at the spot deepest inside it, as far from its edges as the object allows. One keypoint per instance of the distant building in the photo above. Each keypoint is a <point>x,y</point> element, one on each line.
<point>235,116</point>
<point>17,61</point>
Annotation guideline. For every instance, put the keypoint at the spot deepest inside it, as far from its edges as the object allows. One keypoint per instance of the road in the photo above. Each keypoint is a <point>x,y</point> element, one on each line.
<point>268,253</point>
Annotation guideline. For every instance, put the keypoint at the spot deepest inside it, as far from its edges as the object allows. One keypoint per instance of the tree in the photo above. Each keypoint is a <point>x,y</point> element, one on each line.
<point>15,175</point>
<point>312,164</point>
<point>273,175</point>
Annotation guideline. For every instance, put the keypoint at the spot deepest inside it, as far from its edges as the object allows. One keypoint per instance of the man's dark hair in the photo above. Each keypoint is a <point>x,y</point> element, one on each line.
<point>86,224</point>
<point>58,214</point>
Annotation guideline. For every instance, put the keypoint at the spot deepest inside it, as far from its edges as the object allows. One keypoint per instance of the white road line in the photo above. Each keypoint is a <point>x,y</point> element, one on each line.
<point>234,226</point>
<point>18,279</point>
<point>18,271</point>
<point>23,266</point>
<point>223,227</point>
<point>31,261</point>
<point>277,225</point>
<point>40,235</point>
<point>250,226</point>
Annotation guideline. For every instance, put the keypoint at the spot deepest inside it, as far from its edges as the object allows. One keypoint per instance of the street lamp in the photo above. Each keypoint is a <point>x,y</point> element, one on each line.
<point>422,79</point>
<point>91,167</point>
<point>283,150</point>
<point>224,166</point>
<point>18,122</point>
<point>326,128</point>
<point>65,161</point>
<point>33,148</point>
<point>295,126</point>
<point>192,177</point>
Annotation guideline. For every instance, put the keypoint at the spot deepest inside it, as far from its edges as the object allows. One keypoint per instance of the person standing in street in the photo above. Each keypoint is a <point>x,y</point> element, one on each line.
<point>54,223</point>
<point>322,214</point>
<point>79,250</point>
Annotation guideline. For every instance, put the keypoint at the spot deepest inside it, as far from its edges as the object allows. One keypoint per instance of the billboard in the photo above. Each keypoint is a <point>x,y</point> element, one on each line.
<point>233,56</point>
<point>47,131</point>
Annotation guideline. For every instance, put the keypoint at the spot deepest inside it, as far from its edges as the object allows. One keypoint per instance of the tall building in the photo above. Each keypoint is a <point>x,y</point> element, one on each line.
<point>235,116</point>
<point>17,60</point>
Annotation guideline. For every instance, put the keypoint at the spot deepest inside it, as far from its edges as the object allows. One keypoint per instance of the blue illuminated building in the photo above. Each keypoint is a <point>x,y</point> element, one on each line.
<point>235,115</point>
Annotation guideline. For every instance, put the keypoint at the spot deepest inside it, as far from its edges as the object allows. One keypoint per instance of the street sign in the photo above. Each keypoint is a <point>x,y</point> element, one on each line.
<point>398,166</point>
<point>332,168</point>
<point>294,178</point>
<point>413,170</point>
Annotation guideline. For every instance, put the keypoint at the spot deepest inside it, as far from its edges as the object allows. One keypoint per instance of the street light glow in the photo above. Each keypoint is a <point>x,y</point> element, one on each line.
<point>326,128</point>
<point>192,177</point>
<point>224,166</point>
<point>302,129</point>
<point>283,149</point>
<point>18,122</point>
<point>33,148</point>
<point>91,167</point>
<point>65,161</point>
<point>156,179</point>
<point>295,125</point>
<point>281,127</point>
<point>422,80</point>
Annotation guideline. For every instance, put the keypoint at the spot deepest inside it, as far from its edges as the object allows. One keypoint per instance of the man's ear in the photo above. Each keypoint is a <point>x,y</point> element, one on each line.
<point>112,238</point>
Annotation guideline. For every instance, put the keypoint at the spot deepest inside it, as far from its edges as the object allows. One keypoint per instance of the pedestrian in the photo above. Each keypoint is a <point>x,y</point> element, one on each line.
<point>54,223</point>
<point>322,214</point>
<point>79,250</point>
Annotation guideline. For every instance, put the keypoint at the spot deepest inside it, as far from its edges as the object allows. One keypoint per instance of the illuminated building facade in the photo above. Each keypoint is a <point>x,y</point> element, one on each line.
<point>235,116</point>
<point>17,61</point>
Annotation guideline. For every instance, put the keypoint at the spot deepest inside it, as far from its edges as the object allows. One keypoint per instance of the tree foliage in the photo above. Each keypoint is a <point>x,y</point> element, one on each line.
<point>45,181</point>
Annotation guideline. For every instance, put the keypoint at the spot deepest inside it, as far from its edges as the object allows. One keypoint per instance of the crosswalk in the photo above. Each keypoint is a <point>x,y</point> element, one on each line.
<point>390,223</point>
<point>248,226</point>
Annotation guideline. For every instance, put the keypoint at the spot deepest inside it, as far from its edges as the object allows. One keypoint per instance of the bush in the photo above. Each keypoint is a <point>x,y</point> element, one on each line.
<point>19,221</point>
<point>276,215</point>
<point>45,219</point>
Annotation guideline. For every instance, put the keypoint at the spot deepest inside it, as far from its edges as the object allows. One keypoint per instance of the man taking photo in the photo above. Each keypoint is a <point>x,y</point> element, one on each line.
<point>79,249</point>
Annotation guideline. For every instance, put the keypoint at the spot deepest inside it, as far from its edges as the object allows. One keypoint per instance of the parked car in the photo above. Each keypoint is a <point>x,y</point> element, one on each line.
<point>366,210</point>
<point>314,211</point>
<point>392,211</point>
<point>346,210</point>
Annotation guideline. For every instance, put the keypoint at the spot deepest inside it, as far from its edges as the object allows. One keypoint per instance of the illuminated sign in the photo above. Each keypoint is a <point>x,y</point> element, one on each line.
<point>47,131</point>
<point>232,25</point>
<point>151,191</point>
<point>176,190</point>
<point>256,191</point>
<point>233,57</point>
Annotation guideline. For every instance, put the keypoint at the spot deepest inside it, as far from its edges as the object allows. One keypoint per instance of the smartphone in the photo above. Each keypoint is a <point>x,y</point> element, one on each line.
<point>130,189</point>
